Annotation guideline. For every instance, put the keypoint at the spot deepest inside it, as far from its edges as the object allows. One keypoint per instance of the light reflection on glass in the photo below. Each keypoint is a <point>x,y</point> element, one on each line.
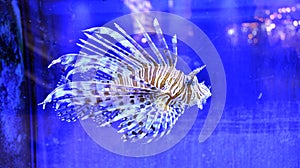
<point>280,24</point>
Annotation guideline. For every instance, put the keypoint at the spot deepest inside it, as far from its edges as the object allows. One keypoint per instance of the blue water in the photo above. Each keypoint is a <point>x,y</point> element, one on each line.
<point>260,124</point>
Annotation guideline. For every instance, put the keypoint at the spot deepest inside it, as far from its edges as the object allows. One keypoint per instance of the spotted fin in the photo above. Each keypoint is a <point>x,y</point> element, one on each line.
<point>152,45</point>
<point>162,39</point>
<point>152,123</point>
<point>137,54</point>
<point>111,108</point>
<point>91,88</point>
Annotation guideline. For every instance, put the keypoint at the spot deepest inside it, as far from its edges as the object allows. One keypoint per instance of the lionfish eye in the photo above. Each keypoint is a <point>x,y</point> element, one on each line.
<point>189,80</point>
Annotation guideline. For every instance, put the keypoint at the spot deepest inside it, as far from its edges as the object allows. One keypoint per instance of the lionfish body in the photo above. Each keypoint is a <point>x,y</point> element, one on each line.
<point>122,83</point>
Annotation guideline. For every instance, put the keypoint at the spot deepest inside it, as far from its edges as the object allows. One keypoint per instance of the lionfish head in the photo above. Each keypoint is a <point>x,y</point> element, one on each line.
<point>200,92</point>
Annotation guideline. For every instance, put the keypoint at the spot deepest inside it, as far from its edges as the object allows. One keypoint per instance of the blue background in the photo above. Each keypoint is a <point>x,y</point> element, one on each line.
<point>260,126</point>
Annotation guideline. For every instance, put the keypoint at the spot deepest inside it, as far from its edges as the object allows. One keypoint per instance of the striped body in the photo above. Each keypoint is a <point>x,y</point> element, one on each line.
<point>124,84</point>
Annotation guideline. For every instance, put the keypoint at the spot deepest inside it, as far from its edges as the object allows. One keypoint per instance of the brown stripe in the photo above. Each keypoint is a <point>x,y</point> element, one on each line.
<point>165,78</point>
<point>176,81</point>
<point>158,75</point>
<point>189,91</point>
<point>121,81</point>
<point>176,94</point>
<point>146,74</point>
<point>153,76</point>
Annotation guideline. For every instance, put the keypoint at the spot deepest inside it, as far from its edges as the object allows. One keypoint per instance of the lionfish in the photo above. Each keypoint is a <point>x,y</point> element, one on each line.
<point>122,83</point>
